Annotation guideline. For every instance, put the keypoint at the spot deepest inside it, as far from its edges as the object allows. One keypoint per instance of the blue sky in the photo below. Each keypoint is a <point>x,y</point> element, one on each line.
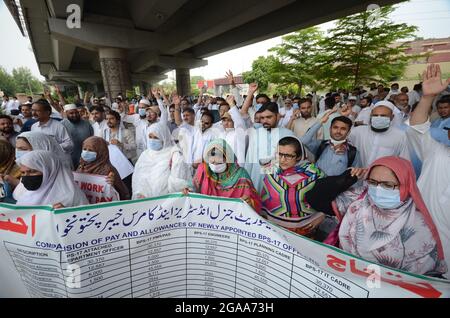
<point>431,16</point>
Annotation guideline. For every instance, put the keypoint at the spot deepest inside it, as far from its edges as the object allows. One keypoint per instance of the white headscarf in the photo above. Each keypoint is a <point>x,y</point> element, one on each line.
<point>41,141</point>
<point>162,131</point>
<point>57,186</point>
<point>159,172</point>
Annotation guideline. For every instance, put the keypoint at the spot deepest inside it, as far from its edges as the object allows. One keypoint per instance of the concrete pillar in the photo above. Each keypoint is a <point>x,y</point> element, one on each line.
<point>183,79</point>
<point>115,71</point>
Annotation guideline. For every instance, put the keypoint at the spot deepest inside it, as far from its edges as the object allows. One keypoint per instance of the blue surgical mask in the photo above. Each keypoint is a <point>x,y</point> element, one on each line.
<point>438,134</point>
<point>385,198</point>
<point>258,106</point>
<point>142,112</point>
<point>380,122</point>
<point>88,156</point>
<point>257,125</point>
<point>295,106</point>
<point>154,144</point>
<point>20,153</point>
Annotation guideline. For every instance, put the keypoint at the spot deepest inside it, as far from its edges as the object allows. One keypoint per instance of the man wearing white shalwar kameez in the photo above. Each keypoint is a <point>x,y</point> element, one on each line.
<point>434,180</point>
<point>381,138</point>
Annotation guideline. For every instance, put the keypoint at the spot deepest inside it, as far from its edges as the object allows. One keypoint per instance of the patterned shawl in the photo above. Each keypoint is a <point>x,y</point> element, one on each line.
<point>404,238</point>
<point>233,183</point>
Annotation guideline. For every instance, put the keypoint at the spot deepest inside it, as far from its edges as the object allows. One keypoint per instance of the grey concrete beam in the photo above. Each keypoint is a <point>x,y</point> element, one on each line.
<point>143,61</point>
<point>282,21</point>
<point>148,80</point>
<point>81,76</point>
<point>58,8</point>
<point>62,54</point>
<point>93,36</point>
<point>147,77</point>
<point>147,59</point>
<point>181,62</point>
<point>216,18</point>
<point>154,13</point>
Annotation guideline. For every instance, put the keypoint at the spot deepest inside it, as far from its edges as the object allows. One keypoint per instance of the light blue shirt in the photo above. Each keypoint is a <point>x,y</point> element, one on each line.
<point>331,163</point>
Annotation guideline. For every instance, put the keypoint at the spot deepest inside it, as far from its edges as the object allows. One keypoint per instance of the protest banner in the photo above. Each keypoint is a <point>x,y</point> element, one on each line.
<point>181,246</point>
<point>95,187</point>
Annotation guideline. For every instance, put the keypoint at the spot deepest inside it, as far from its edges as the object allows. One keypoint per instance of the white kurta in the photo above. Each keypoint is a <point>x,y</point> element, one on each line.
<point>160,172</point>
<point>99,128</point>
<point>434,181</point>
<point>372,145</point>
<point>201,139</point>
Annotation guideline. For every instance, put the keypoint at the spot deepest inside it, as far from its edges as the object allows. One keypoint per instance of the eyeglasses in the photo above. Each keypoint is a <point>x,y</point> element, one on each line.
<point>287,156</point>
<point>384,184</point>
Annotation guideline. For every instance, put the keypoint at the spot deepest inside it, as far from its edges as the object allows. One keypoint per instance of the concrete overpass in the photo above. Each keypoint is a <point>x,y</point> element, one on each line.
<point>121,43</point>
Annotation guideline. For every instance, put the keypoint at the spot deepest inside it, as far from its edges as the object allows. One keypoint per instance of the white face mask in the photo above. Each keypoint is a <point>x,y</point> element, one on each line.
<point>218,168</point>
<point>380,122</point>
<point>337,142</point>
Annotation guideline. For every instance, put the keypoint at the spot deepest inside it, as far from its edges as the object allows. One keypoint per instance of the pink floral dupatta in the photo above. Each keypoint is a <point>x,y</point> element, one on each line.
<point>404,238</point>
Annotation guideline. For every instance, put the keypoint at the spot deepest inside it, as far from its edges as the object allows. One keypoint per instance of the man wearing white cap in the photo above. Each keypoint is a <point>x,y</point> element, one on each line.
<point>140,123</point>
<point>381,138</point>
<point>355,108</point>
<point>78,129</point>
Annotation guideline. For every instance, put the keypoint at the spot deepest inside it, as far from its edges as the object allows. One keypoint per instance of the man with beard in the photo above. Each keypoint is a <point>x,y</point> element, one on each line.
<point>140,123</point>
<point>334,155</point>
<point>98,115</point>
<point>117,134</point>
<point>7,130</point>
<point>263,143</point>
<point>381,138</point>
<point>302,119</point>
<point>78,129</point>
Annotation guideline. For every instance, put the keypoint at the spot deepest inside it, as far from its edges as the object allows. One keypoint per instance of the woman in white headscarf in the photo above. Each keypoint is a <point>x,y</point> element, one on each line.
<point>160,169</point>
<point>48,182</point>
<point>35,140</point>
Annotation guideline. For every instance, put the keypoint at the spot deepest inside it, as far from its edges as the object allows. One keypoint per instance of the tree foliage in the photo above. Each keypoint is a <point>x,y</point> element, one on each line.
<point>21,80</point>
<point>364,48</point>
<point>360,49</point>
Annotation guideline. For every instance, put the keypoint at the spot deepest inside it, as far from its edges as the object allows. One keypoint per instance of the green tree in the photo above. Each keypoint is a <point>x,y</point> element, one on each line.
<point>7,84</point>
<point>25,82</point>
<point>261,73</point>
<point>298,59</point>
<point>361,49</point>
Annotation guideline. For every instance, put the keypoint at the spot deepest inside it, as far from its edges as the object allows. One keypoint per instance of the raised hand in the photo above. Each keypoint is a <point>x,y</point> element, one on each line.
<point>432,83</point>
<point>176,99</point>
<point>252,88</point>
<point>230,100</point>
<point>230,77</point>
<point>346,110</point>
<point>325,117</point>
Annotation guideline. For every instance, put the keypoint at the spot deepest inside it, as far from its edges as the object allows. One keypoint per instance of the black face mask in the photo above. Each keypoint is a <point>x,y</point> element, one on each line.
<point>32,183</point>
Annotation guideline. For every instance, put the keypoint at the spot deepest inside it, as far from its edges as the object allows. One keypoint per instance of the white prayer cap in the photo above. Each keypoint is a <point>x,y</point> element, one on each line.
<point>145,101</point>
<point>68,107</point>
<point>384,103</point>
<point>352,98</point>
